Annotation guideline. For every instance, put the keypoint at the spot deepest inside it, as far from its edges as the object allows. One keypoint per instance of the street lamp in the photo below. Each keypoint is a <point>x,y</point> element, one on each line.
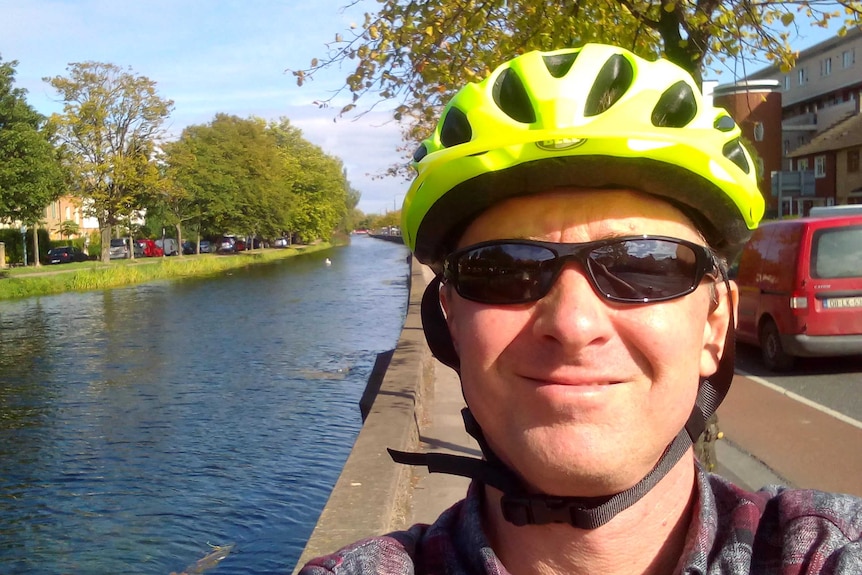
<point>24,240</point>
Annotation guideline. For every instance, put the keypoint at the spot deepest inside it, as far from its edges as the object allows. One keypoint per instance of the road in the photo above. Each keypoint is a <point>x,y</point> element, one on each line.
<point>834,382</point>
<point>803,428</point>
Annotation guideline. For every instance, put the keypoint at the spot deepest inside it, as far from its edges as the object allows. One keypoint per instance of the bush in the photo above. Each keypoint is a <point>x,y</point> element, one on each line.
<point>15,248</point>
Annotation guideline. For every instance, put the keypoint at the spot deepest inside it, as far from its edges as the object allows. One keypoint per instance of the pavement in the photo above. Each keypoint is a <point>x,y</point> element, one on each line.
<point>770,437</point>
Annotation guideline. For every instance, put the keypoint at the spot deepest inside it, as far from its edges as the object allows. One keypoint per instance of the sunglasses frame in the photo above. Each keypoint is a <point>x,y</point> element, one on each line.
<point>706,264</point>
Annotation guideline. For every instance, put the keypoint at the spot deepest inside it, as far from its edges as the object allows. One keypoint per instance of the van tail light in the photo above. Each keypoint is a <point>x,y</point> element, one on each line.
<point>799,302</point>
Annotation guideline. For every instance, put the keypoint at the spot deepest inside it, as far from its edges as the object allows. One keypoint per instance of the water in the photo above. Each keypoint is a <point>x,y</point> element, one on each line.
<point>140,426</point>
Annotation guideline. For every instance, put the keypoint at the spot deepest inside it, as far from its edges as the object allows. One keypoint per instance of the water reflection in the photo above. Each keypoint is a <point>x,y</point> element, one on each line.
<point>139,425</point>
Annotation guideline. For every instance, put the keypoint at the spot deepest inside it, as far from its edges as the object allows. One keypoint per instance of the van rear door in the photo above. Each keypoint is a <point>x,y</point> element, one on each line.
<point>835,271</point>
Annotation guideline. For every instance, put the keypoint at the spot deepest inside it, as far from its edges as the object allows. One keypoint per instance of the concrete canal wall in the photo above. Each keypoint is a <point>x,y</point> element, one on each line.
<point>372,494</point>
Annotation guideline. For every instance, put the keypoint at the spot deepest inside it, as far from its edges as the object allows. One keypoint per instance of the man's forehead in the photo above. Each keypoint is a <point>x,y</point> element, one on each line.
<point>594,213</point>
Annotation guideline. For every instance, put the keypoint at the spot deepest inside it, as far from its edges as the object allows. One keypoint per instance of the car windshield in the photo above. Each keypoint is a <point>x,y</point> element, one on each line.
<point>837,253</point>
<point>118,243</point>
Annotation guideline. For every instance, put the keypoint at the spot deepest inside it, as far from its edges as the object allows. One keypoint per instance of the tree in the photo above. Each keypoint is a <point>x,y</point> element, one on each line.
<point>111,122</point>
<point>68,228</point>
<point>417,53</point>
<point>320,188</point>
<point>354,214</point>
<point>229,176</point>
<point>30,174</point>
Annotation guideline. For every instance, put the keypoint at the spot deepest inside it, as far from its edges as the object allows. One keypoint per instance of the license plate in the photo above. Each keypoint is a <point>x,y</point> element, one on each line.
<point>841,302</point>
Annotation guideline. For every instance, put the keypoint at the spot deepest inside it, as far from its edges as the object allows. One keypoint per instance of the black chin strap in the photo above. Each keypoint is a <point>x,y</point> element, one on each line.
<point>521,507</point>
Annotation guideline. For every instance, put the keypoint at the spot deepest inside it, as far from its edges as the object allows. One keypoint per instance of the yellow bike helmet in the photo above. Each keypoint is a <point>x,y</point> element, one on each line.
<point>592,117</point>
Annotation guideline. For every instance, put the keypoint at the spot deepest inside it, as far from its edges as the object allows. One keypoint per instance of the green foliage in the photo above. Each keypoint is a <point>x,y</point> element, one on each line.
<point>418,53</point>
<point>68,228</point>
<point>14,247</point>
<point>110,124</point>
<point>376,221</point>
<point>321,190</point>
<point>30,175</point>
<point>243,176</point>
<point>226,176</point>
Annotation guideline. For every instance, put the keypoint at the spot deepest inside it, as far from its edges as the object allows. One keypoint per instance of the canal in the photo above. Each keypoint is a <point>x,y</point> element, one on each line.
<point>140,427</point>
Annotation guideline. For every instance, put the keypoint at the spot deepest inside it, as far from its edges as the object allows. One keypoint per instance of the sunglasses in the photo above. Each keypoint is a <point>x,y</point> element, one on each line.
<point>631,269</point>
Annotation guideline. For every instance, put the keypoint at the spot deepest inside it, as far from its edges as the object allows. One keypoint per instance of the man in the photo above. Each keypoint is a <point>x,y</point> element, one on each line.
<point>580,208</point>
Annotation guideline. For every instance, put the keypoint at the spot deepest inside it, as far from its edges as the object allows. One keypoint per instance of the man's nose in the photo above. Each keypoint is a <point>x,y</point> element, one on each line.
<point>572,312</point>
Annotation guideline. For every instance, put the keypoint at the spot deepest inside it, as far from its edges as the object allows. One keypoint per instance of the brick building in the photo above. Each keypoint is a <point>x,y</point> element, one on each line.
<point>819,133</point>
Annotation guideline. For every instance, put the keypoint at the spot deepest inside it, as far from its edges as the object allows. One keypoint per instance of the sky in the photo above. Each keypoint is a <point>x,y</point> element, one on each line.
<point>221,56</point>
<point>210,57</point>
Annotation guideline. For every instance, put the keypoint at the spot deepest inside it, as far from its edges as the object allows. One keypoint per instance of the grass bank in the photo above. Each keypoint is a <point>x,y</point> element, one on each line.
<point>85,276</point>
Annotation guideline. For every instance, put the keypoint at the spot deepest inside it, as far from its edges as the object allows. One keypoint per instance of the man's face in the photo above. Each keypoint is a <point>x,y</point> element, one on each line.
<point>578,394</point>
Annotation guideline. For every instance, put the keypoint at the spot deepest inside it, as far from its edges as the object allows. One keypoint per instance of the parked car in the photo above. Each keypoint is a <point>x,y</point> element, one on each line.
<point>190,247</point>
<point>281,243</point>
<point>119,249</point>
<point>800,289</point>
<point>840,210</point>
<point>169,245</point>
<point>226,245</point>
<point>146,248</point>
<point>65,255</point>
<point>231,244</point>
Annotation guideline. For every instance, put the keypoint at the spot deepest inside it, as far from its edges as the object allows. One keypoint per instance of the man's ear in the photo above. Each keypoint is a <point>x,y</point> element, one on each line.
<point>445,295</point>
<point>717,323</point>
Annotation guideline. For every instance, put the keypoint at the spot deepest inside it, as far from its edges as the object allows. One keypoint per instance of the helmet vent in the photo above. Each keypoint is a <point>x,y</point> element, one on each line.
<point>455,129</point>
<point>676,107</point>
<point>611,83</point>
<point>733,151</point>
<point>559,64</point>
<point>420,153</point>
<point>512,98</point>
<point>724,124</point>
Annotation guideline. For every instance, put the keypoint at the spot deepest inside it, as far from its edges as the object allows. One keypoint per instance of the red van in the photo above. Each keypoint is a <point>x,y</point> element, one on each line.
<point>800,289</point>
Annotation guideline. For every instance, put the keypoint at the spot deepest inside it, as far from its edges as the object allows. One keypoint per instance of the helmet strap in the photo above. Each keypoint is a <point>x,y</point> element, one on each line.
<point>435,327</point>
<point>712,390</point>
<point>521,507</point>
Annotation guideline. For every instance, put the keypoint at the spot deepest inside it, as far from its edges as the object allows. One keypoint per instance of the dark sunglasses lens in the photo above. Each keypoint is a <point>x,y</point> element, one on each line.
<point>504,273</point>
<point>644,269</point>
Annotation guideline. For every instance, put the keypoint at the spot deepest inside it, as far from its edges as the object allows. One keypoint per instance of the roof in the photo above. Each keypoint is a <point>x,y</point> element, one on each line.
<point>845,134</point>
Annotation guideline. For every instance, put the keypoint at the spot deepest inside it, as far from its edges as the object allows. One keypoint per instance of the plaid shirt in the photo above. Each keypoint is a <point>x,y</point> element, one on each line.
<point>775,531</point>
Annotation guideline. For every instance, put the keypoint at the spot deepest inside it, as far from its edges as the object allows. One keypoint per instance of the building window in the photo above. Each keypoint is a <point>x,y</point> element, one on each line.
<point>848,58</point>
<point>802,76</point>
<point>826,67</point>
<point>787,82</point>
<point>853,161</point>
<point>800,140</point>
<point>801,164</point>
<point>758,131</point>
<point>820,166</point>
<point>786,147</point>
